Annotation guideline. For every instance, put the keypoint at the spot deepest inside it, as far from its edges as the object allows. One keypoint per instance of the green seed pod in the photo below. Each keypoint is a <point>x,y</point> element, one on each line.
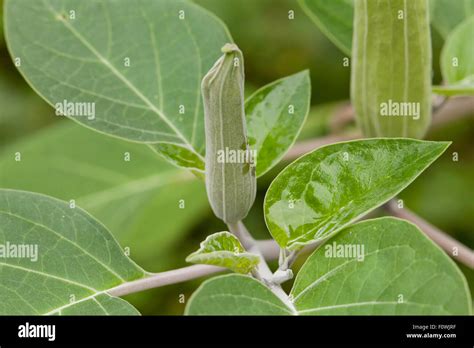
<point>391,67</point>
<point>230,169</point>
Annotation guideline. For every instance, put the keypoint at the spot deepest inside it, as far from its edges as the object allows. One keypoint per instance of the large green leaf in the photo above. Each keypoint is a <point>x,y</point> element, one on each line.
<point>75,262</point>
<point>83,56</point>
<point>447,14</point>
<point>334,18</point>
<point>457,62</point>
<point>390,268</point>
<point>325,190</point>
<point>234,294</point>
<point>225,250</point>
<point>401,272</point>
<point>275,115</point>
<point>148,204</point>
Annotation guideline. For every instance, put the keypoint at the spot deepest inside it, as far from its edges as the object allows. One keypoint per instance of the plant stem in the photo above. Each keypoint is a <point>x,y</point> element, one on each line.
<point>454,109</point>
<point>268,248</point>
<point>306,146</point>
<point>263,271</point>
<point>165,278</point>
<point>453,248</point>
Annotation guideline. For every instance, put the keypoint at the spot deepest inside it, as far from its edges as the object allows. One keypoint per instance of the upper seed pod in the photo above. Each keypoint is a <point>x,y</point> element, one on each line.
<point>391,67</point>
<point>230,169</point>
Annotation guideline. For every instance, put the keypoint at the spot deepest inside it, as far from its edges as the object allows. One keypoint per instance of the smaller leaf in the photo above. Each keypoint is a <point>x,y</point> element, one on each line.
<point>334,18</point>
<point>275,115</point>
<point>447,14</point>
<point>224,249</point>
<point>457,64</point>
<point>387,267</point>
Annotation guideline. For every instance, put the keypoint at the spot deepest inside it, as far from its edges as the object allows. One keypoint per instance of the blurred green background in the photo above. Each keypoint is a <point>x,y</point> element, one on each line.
<point>163,214</point>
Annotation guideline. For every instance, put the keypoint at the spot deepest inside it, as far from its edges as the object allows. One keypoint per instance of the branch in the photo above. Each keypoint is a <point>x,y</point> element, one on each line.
<point>453,248</point>
<point>453,109</point>
<point>306,146</point>
<point>445,110</point>
<point>268,248</point>
<point>263,271</point>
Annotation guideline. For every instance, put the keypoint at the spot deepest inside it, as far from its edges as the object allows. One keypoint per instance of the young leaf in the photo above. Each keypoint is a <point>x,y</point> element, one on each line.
<point>141,71</point>
<point>69,259</point>
<point>234,294</point>
<point>387,266</point>
<point>391,69</point>
<point>447,14</point>
<point>275,115</point>
<point>327,189</point>
<point>383,266</point>
<point>334,18</point>
<point>457,62</point>
<point>148,204</point>
<point>224,249</point>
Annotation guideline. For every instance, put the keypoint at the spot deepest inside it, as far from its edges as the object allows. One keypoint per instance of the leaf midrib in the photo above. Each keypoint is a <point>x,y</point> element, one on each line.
<point>120,76</point>
<point>421,159</point>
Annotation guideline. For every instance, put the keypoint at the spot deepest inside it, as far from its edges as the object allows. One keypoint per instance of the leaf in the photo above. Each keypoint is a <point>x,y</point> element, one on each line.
<point>401,272</point>
<point>148,204</point>
<point>334,18</point>
<point>327,189</point>
<point>392,68</point>
<point>142,70</point>
<point>275,115</point>
<point>180,156</point>
<point>400,264</point>
<point>234,294</point>
<point>224,249</point>
<point>447,14</point>
<point>76,261</point>
<point>457,64</point>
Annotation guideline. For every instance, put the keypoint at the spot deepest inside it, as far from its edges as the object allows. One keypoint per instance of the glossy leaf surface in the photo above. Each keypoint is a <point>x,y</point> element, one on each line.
<point>325,190</point>
<point>225,250</point>
<point>275,115</point>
